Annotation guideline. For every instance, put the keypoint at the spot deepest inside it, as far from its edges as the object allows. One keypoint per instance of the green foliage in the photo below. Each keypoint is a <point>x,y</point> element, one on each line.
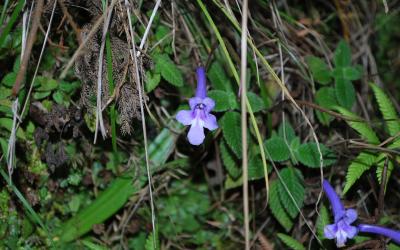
<point>354,121</point>
<point>387,109</point>
<point>343,92</point>
<point>277,208</point>
<point>286,132</point>
<point>152,243</point>
<point>230,124</point>
<point>322,221</point>
<point>319,70</point>
<point>168,70</point>
<point>115,196</point>
<point>290,242</point>
<point>308,155</point>
<point>223,100</point>
<point>291,198</point>
<point>365,160</point>
<point>257,104</point>
<point>325,97</point>
<point>358,166</point>
<point>152,81</point>
<point>277,149</point>
<point>230,161</point>
<point>381,160</point>
<point>13,18</point>
<point>218,79</point>
<point>342,57</point>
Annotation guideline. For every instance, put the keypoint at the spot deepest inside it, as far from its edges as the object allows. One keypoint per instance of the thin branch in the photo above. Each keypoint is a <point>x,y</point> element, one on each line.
<point>243,88</point>
<point>133,54</point>
<point>29,45</point>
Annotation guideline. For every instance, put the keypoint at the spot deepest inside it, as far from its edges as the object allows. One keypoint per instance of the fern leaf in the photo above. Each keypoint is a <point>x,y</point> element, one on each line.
<point>291,242</point>
<point>366,132</point>
<point>387,109</point>
<point>381,164</point>
<point>358,166</point>
<point>150,242</point>
<point>277,209</point>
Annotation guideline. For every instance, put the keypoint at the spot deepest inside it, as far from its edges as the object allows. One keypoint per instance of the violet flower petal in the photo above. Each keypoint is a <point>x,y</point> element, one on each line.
<point>185,117</point>
<point>196,133</point>
<point>210,122</point>
<point>194,101</point>
<point>201,90</point>
<point>209,104</point>
<point>337,206</point>
<point>330,231</point>
<point>392,234</point>
<point>350,216</point>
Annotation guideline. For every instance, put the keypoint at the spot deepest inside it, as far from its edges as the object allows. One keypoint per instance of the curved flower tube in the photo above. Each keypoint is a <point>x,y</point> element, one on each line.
<point>392,234</point>
<point>341,229</point>
<point>199,117</point>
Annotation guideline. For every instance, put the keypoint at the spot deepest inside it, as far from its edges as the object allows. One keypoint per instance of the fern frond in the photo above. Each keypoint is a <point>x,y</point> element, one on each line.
<point>291,242</point>
<point>387,109</point>
<point>358,166</point>
<point>366,132</point>
<point>380,162</point>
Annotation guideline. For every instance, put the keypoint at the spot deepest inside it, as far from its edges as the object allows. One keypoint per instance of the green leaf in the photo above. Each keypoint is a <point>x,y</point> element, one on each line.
<point>345,93</point>
<point>223,100</point>
<point>169,71</point>
<point>152,243</point>
<point>319,70</point>
<point>7,123</point>
<point>342,57</point>
<point>322,221</point>
<point>358,166</point>
<point>58,97</point>
<point>152,81</point>
<point>45,84</point>
<point>294,182</point>
<point>380,162</point>
<point>69,87</point>
<point>286,130</point>
<point>277,149</point>
<point>41,95</point>
<point>9,79</point>
<point>393,246</point>
<point>325,97</point>
<point>230,161</point>
<point>388,112</point>
<point>218,79</point>
<point>4,92</point>
<point>255,166</point>
<point>309,156</point>
<point>257,104</point>
<point>230,124</point>
<point>348,73</point>
<point>290,242</point>
<point>276,207</point>
<point>366,132</point>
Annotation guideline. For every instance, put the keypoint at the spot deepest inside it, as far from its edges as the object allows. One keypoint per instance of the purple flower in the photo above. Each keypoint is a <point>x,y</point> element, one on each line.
<point>199,117</point>
<point>394,235</point>
<point>341,229</point>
